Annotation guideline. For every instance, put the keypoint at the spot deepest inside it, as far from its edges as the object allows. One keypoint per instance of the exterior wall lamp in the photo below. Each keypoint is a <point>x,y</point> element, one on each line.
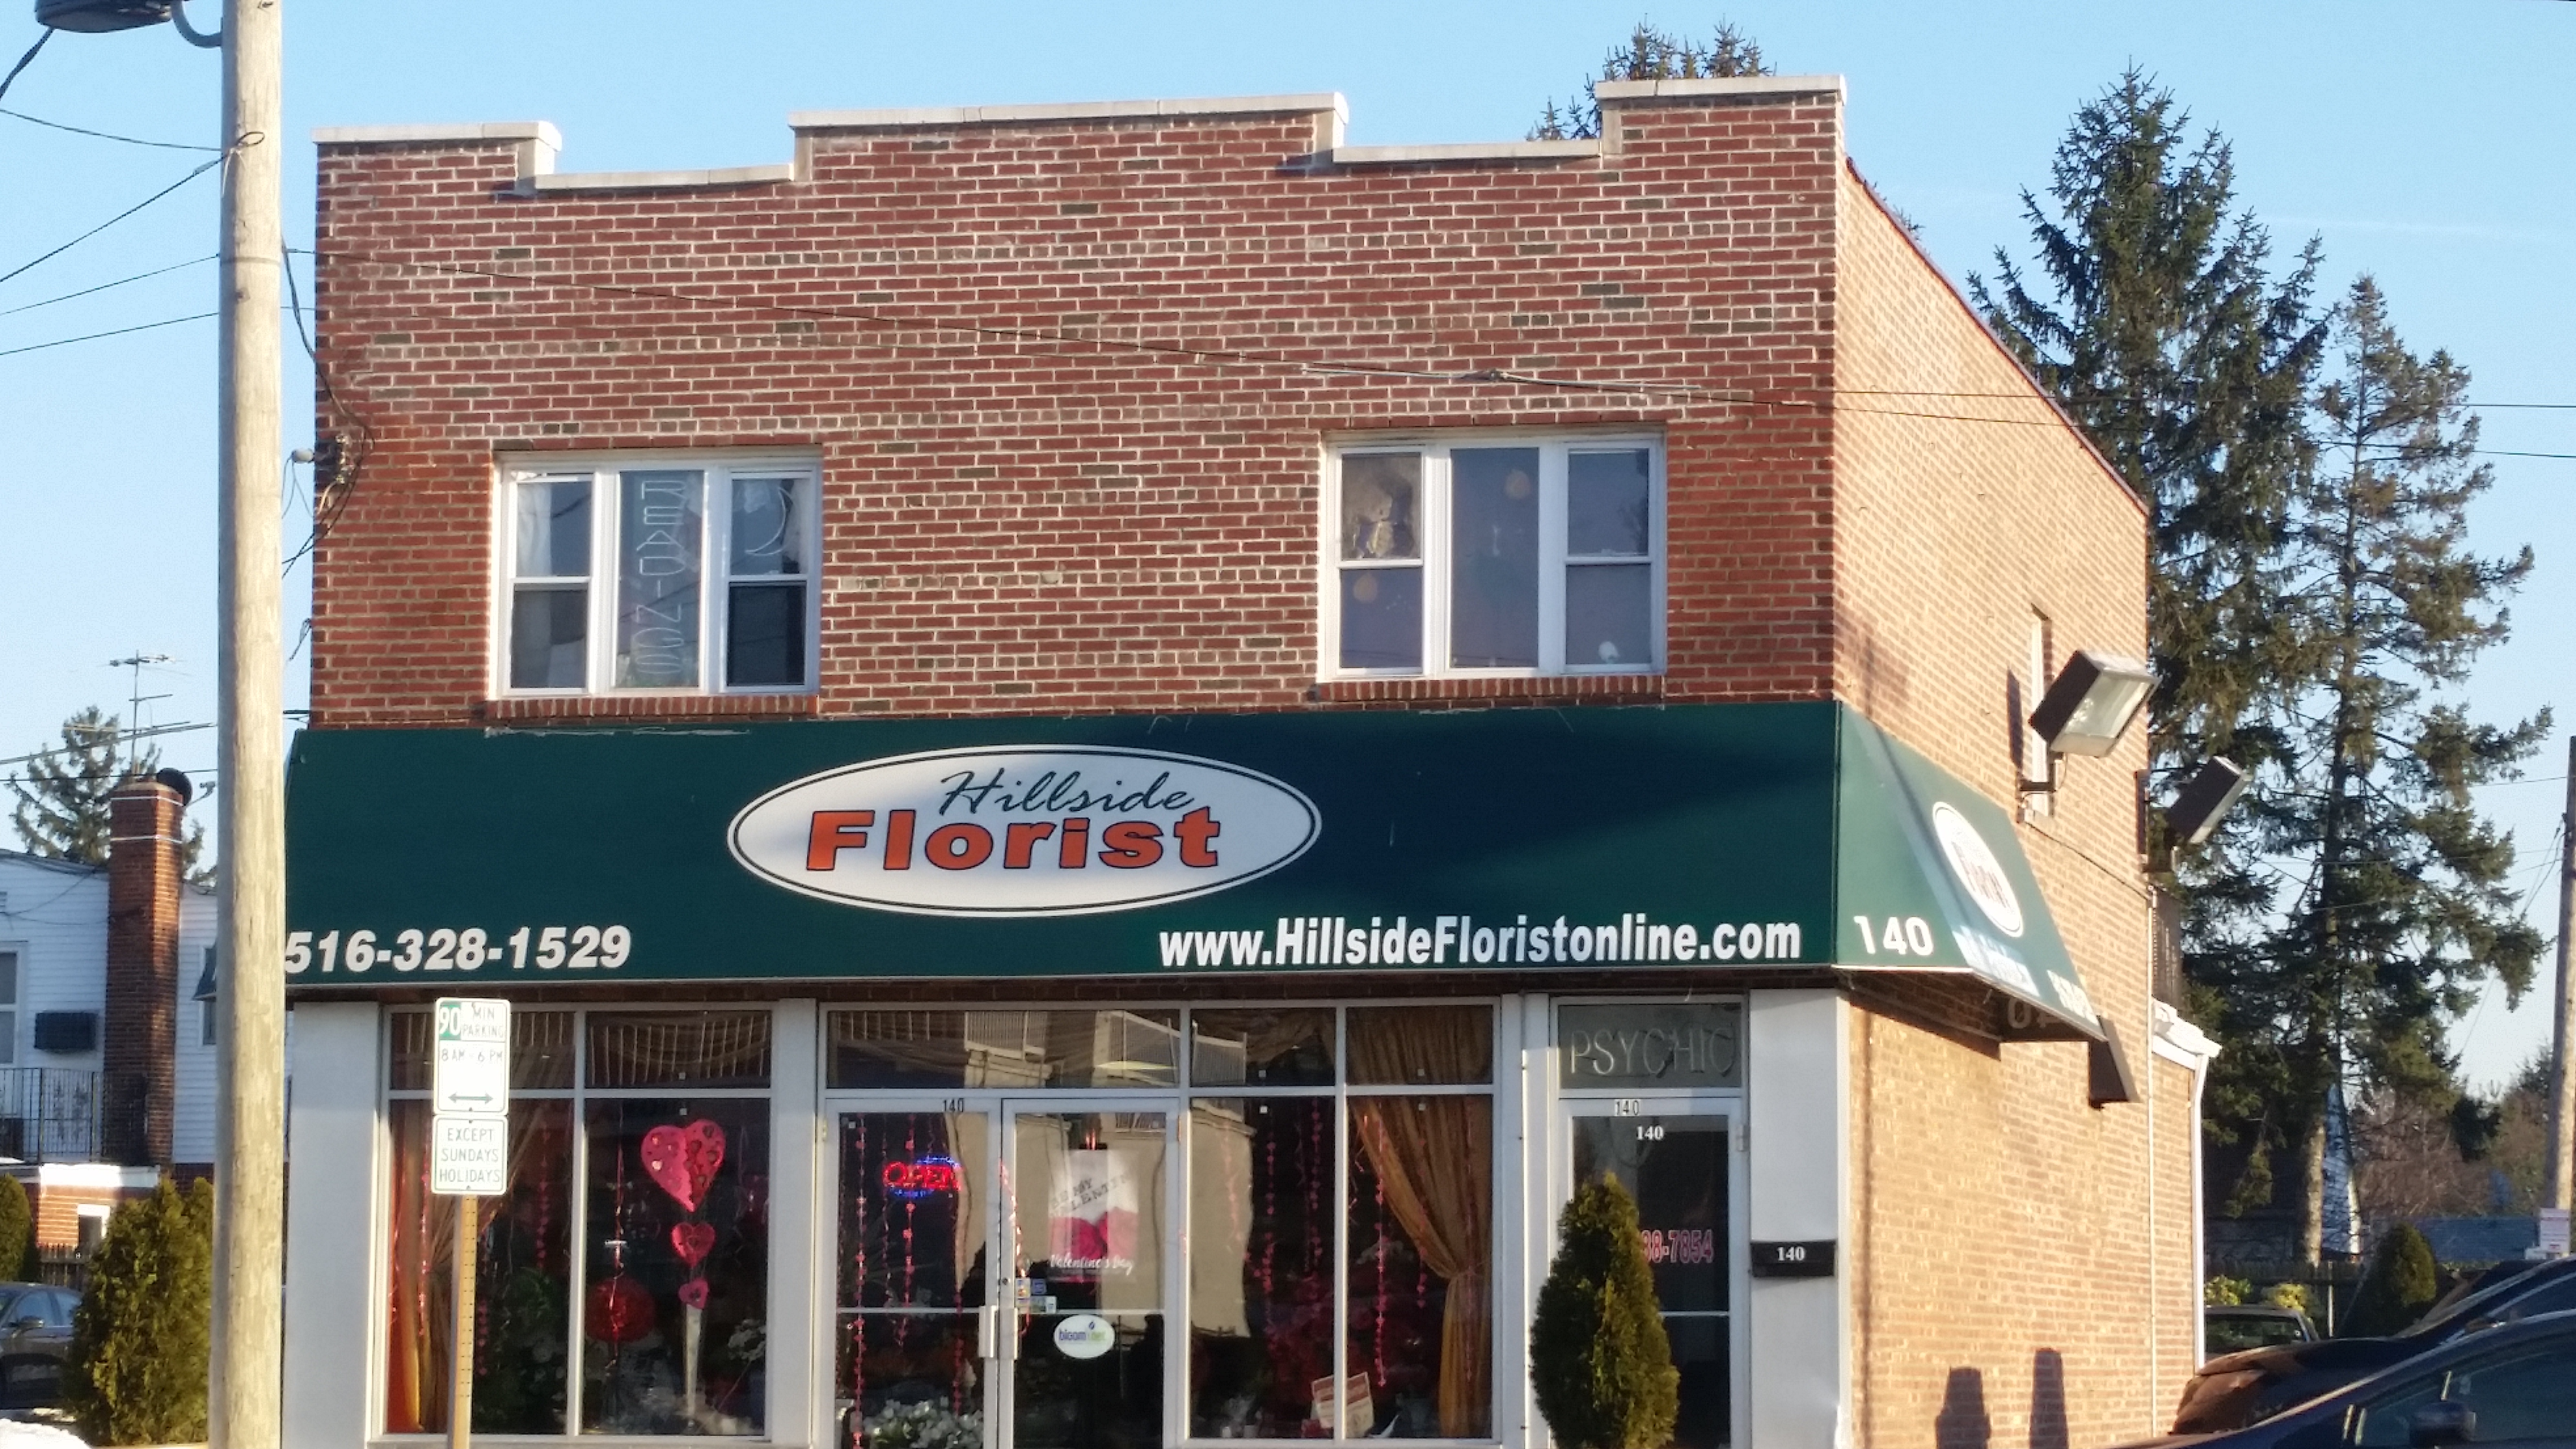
<point>2205,800</point>
<point>2087,708</point>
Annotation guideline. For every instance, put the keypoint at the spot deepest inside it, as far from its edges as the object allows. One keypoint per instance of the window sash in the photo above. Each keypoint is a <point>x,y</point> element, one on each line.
<point>1435,560</point>
<point>603,594</point>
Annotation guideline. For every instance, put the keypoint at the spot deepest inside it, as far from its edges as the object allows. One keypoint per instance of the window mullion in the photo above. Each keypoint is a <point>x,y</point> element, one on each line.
<point>1551,558</point>
<point>715,582</point>
<point>1435,551</point>
<point>604,508</point>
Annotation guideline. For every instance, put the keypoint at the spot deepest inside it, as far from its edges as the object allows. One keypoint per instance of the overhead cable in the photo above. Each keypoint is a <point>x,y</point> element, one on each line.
<point>105,135</point>
<point>27,266</point>
<point>104,286</point>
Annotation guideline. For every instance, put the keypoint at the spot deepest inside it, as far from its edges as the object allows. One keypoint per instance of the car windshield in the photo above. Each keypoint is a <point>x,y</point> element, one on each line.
<point>2232,1332</point>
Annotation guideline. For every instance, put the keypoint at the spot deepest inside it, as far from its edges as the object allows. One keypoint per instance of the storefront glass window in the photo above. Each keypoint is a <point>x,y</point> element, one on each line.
<point>633,1239</point>
<point>675,1298</point>
<point>1010,1049</point>
<point>522,1279</point>
<point>1262,1211</point>
<point>1275,1048</point>
<point>1422,1046</point>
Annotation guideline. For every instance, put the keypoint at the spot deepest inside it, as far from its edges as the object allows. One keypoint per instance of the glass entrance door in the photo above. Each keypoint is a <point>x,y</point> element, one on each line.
<point>913,1324</point>
<point>1088,1229</point>
<point>1676,1162</point>
<point>1002,1275</point>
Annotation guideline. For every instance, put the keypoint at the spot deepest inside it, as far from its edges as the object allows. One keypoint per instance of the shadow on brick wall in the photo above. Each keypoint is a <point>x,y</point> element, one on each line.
<point>2048,1400</point>
<point>1962,1422</point>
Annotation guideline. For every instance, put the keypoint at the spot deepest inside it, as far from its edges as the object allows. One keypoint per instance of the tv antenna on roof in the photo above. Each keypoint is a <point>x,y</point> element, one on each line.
<point>135,698</point>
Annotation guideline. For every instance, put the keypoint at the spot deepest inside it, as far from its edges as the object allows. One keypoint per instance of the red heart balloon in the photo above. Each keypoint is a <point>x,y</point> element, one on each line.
<point>693,1241</point>
<point>694,1293</point>
<point>682,1160</point>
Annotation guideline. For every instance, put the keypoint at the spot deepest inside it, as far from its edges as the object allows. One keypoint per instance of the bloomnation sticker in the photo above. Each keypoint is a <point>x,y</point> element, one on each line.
<point>1012,830</point>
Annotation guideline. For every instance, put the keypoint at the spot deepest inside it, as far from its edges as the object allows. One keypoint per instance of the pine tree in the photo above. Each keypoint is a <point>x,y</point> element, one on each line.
<point>2155,320</point>
<point>1651,54</point>
<point>141,1340</point>
<point>2402,1282</point>
<point>62,811</point>
<point>1600,1364</point>
<point>2386,906</point>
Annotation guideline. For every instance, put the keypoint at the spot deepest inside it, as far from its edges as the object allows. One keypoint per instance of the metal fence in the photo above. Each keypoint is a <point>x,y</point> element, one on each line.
<point>50,1114</point>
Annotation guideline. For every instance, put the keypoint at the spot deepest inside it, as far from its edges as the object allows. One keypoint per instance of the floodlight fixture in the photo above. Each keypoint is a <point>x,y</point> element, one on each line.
<point>2205,800</point>
<point>2091,702</point>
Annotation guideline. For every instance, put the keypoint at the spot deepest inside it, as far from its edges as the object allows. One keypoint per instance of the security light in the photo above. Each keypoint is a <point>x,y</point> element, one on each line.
<point>2205,799</point>
<point>2090,703</point>
<point>94,16</point>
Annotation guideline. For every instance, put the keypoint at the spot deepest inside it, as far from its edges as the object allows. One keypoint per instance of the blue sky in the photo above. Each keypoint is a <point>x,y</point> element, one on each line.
<point>2428,144</point>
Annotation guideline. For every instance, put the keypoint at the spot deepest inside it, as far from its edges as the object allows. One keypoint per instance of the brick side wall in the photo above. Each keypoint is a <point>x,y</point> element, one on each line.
<point>2008,1256</point>
<point>1048,520</point>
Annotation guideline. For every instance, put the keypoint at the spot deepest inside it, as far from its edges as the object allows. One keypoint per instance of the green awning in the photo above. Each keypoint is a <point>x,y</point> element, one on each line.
<point>1712,836</point>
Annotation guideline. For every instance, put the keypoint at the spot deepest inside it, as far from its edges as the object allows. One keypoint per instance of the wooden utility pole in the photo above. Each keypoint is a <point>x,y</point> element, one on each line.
<point>460,1389</point>
<point>2559,1190</point>
<point>243,1407</point>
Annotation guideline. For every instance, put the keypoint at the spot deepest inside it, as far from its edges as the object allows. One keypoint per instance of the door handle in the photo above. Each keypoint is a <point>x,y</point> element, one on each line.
<point>988,1339</point>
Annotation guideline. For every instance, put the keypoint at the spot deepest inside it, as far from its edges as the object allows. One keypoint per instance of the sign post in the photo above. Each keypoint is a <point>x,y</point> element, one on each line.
<point>469,1158</point>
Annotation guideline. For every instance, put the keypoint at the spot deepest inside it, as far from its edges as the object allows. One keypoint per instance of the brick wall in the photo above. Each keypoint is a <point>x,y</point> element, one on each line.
<point>1049,519</point>
<point>2015,1251</point>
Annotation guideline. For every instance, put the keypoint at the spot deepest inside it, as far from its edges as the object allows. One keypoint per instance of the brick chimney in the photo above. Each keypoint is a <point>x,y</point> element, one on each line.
<point>138,1040</point>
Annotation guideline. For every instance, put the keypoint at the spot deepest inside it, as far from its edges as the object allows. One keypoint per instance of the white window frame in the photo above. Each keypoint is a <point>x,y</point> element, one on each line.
<point>715,593</point>
<point>1434,523</point>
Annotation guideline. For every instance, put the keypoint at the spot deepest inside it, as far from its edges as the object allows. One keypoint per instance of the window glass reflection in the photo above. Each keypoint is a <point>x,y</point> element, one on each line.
<point>1262,1048</point>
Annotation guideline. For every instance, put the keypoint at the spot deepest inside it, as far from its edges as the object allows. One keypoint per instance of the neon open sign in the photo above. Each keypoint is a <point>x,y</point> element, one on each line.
<point>920,1177</point>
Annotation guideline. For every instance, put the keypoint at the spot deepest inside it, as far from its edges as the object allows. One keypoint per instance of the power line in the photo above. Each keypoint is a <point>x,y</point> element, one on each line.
<point>104,286</point>
<point>112,332</point>
<point>105,135</point>
<point>23,267</point>
<point>41,37</point>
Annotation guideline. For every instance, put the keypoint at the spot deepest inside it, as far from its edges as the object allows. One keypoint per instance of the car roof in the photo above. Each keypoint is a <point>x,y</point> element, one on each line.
<point>2539,1326</point>
<point>2505,1285</point>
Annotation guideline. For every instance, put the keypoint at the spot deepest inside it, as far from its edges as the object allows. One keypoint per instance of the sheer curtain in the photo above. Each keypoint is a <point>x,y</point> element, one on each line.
<point>1435,1156</point>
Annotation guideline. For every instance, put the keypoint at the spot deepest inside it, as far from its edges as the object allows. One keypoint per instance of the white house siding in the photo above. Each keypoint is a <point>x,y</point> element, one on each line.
<point>56,917</point>
<point>192,1126</point>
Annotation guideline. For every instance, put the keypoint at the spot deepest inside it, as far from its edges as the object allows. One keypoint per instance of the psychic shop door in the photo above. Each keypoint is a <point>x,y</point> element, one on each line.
<point>1677,1155</point>
<point>1002,1274</point>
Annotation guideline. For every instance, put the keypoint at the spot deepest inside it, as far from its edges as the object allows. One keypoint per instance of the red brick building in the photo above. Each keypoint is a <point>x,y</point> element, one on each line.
<point>1102,746</point>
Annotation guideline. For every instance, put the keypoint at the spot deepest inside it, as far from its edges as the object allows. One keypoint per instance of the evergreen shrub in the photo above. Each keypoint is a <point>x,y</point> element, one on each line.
<point>2402,1282</point>
<point>1599,1361</point>
<point>141,1340</point>
<point>17,1232</point>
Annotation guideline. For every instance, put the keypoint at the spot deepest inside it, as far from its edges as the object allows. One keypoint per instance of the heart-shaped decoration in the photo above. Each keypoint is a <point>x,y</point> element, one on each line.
<point>694,1293</point>
<point>683,1160</point>
<point>693,1241</point>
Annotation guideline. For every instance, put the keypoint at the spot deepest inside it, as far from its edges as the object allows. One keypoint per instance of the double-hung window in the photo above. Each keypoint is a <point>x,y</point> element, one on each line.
<point>1494,556</point>
<point>672,575</point>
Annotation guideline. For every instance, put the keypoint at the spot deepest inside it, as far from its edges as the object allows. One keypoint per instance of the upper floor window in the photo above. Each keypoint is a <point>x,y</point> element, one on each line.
<point>677,574</point>
<point>1495,556</point>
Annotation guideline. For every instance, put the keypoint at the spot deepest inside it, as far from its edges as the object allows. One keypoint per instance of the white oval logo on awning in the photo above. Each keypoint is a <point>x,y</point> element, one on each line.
<point>1023,830</point>
<point>1973,863</point>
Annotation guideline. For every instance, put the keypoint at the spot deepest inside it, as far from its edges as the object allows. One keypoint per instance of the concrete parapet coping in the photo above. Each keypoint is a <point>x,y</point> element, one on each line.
<point>542,132</point>
<point>916,117</point>
<point>1740,87</point>
<point>1460,151</point>
<point>661,180</point>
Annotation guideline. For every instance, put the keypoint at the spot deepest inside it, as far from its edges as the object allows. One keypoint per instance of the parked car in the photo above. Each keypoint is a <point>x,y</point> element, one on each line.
<point>2506,1383</point>
<point>2247,1387</point>
<point>35,1343</point>
<point>2230,1327</point>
